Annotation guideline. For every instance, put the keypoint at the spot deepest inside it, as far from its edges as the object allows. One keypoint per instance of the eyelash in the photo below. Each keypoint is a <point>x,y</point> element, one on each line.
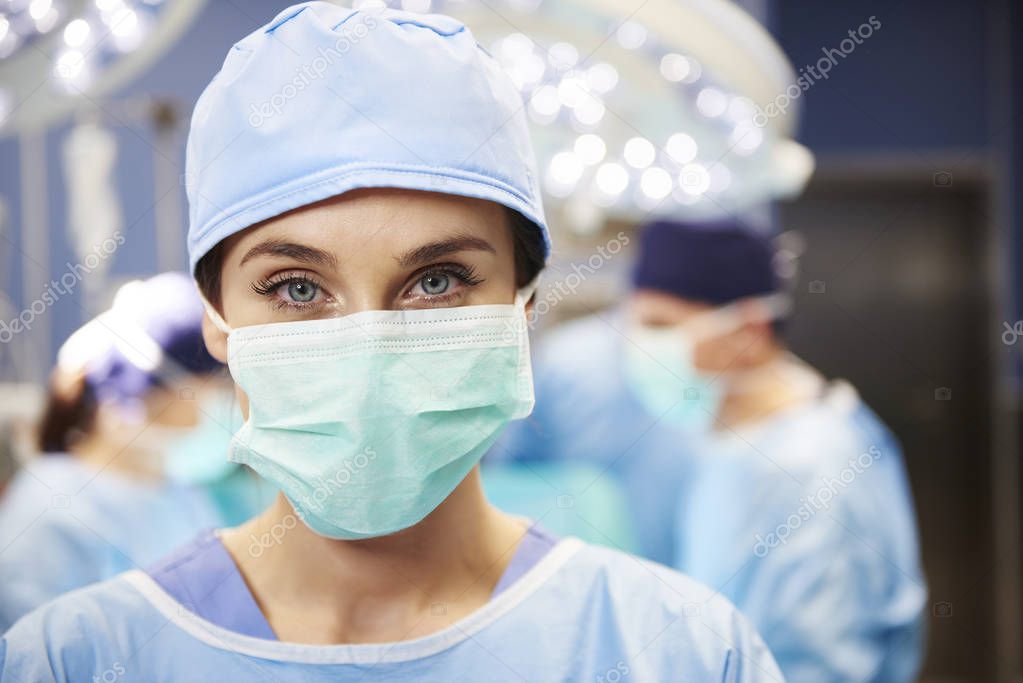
<point>467,275</point>
<point>269,286</point>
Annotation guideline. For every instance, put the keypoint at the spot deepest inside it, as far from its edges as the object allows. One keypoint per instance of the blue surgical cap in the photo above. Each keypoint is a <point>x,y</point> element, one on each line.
<point>326,99</point>
<point>151,335</point>
<point>714,264</point>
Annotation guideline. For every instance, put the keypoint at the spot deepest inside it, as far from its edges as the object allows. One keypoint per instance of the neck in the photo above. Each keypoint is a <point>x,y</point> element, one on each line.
<point>314,589</point>
<point>773,386</point>
<point>110,455</point>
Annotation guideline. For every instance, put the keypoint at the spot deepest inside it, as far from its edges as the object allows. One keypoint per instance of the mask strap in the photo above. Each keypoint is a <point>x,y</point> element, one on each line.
<point>525,293</point>
<point>217,319</point>
<point>730,317</point>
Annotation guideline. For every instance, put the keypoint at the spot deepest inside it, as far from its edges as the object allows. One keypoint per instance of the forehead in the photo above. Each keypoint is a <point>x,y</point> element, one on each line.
<point>654,305</point>
<point>367,223</point>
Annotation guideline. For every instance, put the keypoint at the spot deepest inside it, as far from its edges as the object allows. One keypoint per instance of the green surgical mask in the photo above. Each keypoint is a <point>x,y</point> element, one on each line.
<point>199,455</point>
<point>660,370</point>
<point>369,421</point>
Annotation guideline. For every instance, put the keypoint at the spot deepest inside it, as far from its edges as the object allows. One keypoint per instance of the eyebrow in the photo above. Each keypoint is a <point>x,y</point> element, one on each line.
<point>299,252</point>
<point>436,250</point>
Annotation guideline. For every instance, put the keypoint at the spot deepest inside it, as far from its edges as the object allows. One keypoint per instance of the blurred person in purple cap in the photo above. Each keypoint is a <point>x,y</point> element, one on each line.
<point>743,466</point>
<point>133,451</point>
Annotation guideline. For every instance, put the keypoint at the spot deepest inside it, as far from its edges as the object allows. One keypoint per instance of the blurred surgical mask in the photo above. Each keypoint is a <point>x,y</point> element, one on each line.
<point>199,455</point>
<point>660,364</point>
<point>195,455</point>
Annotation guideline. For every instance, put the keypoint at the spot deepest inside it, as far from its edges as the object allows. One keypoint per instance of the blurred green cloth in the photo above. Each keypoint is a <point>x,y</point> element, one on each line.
<point>566,499</point>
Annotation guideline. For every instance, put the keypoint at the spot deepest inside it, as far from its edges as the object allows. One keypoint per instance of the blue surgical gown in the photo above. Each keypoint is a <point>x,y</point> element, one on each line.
<point>64,524</point>
<point>582,613</point>
<point>842,599</point>
<point>585,414</point>
<point>822,552</point>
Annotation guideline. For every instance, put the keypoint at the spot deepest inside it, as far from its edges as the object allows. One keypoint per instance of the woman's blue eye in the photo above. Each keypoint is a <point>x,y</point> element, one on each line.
<point>437,283</point>
<point>301,291</point>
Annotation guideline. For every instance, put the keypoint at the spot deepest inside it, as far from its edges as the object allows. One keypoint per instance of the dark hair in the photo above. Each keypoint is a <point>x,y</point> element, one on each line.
<point>526,235</point>
<point>69,415</point>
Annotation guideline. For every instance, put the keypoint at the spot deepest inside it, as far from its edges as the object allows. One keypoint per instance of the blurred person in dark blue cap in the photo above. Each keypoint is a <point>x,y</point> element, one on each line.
<point>743,466</point>
<point>133,451</point>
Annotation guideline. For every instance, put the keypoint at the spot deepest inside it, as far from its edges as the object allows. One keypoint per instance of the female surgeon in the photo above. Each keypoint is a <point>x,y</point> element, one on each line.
<point>366,228</point>
<point>129,439</point>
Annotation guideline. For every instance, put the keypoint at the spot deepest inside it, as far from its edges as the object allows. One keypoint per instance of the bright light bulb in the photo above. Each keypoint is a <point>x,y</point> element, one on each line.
<point>38,9</point>
<point>516,46</point>
<point>682,148</point>
<point>566,167</point>
<point>590,111</point>
<point>675,67</point>
<point>711,102</point>
<point>695,70</point>
<point>602,77</point>
<point>572,91</point>
<point>694,179</point>
<point>639,153</point>
<point>526,71</point>
<point>631,35</point>
<point>656,183</point>
<point>124,23</point>
<point>746,138</point>
<point>563,55</point>
<point>590,148</point>
<point>69,65</point>
<point>612,179</point>
<point>563,172</point>
<point>544,104</point>
<point>741,109</point>
<point>77,32</point>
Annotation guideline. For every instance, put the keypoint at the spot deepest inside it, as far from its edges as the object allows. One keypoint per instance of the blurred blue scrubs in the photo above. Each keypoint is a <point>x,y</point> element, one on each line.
<point>587,416</point>
<point>823,554</point>
<point>64,525</point>
<point>580,613</point>
<point>842,597</point>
